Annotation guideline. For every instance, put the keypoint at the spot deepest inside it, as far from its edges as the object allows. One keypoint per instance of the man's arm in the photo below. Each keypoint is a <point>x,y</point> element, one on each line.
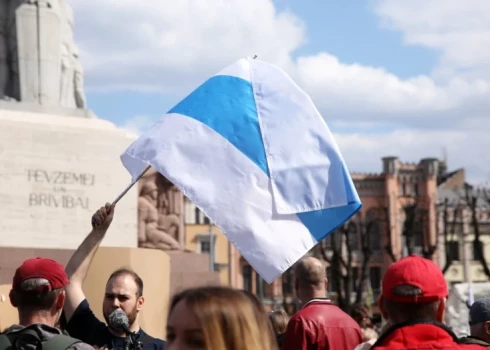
<point>296,337</point>
<point>77,267</point>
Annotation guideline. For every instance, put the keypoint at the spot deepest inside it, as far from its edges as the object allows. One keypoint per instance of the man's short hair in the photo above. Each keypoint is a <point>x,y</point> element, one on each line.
<point>411,311</point>
<point>127,271</point>
<point>34,295</point>
<point>310,272</point>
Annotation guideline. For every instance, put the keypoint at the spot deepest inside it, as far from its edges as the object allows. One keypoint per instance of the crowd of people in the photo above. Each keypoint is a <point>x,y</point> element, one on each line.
<point>54,313</point>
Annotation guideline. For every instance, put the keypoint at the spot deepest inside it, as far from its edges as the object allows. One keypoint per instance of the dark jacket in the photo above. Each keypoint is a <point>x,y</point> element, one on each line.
<point>421,335</point>
<point>473,340</point>
<point>321,325</point>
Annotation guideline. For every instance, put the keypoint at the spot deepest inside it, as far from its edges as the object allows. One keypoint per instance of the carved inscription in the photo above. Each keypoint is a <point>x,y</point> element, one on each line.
<point>59,189</point>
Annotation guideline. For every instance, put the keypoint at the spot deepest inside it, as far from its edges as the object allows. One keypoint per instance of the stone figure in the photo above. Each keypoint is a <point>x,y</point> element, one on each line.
<point>39,69</point>
<point>160,220</point>
<point>72,94</point>
<point>9,65</point>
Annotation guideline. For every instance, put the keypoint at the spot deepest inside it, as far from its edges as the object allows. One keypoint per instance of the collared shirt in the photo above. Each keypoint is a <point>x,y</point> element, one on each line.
<point>46,332</point>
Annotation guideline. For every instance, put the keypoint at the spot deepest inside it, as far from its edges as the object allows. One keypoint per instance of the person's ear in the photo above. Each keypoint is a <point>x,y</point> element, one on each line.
<point>486,327</point>
<point>139,303</point>
<point>60,301</point>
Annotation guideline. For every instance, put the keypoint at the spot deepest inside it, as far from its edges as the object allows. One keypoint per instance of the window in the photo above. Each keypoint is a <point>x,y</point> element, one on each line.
<point>203,243</point>
<point>205,248</point>
<point>453,250</point>
<point>415,190</point>
<point>403,188</point>
<point>206,220</point>
<point>247,277</point>
<point>261,286</point>
<point>197,215</point>
<point>375,278</point>
<point>477,250</point>
<point>374,235</point>
<point>352,232</point>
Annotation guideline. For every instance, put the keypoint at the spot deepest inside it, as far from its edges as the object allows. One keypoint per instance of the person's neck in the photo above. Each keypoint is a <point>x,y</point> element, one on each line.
<point>313,294</point>
<point>27,320</point>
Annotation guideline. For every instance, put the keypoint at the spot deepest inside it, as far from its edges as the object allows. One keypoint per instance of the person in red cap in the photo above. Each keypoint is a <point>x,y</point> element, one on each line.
<point>38,293</point>
<point>413,300</point>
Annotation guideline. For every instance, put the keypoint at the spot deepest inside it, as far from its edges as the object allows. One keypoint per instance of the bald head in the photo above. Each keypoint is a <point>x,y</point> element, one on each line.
<point>310,273</point>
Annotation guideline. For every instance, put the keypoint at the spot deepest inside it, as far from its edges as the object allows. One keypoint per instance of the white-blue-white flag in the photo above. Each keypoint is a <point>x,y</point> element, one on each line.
<point>250,149</point>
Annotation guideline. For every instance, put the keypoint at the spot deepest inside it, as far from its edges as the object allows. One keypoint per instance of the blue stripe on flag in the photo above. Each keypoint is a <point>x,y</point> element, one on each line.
<point>227,105</point>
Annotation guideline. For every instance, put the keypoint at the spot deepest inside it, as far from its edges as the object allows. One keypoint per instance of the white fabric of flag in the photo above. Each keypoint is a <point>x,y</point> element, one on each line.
<point>250,149</point>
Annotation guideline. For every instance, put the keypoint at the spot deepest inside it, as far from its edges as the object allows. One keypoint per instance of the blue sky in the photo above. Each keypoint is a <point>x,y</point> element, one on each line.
<point>389,76</point>
<point>350,32</point>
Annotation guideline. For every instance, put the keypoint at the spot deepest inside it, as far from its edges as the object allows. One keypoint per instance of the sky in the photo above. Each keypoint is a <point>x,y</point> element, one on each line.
<point>390,77</point>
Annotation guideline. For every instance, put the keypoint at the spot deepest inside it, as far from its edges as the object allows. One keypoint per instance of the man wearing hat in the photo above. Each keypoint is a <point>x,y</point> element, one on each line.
<point>479,323</point>
<point>413,300</point>
<point>38,293</point>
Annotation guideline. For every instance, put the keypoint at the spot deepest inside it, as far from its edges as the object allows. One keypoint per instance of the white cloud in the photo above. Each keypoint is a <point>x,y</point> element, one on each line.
<point>138,124</point>
<point>363,152</point>
<point>460,30</point>
<point>170,46</point>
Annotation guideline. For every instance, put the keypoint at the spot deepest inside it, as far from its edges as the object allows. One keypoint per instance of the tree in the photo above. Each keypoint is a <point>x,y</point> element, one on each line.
<point>414,231</point>
<point>449,229</point>
<point>339,250</point>
<point>471,198</point>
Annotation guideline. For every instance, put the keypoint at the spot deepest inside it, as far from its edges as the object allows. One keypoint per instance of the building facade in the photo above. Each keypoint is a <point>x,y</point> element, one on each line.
<point>464,229</point>
<point>401,215</point>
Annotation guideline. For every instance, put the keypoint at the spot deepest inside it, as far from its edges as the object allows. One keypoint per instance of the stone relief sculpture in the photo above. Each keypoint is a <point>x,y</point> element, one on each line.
<point>39,69</point>
<point>160,217</point>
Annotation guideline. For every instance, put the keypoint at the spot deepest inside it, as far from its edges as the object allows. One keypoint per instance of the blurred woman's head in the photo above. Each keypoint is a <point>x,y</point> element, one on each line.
<point>360,313</point>
<point>218,318</point>
<point>279,321</point>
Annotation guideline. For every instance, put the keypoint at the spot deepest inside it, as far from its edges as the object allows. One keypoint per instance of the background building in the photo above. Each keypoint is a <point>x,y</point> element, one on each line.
<point>403,213</point>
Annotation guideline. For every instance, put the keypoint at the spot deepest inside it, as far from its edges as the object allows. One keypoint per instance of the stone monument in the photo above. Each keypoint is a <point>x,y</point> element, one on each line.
<point>58,161</point>
<point>38,58</point>
<point>160,213</point>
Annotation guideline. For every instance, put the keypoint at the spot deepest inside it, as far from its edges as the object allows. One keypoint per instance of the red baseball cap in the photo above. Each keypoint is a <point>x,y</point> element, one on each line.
<point>419,272</point>
<point>48,269</point>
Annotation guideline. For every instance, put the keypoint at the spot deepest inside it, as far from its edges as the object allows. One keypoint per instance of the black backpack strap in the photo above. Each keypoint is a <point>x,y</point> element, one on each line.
<point>26,336</point>
<point>60,342</point>
<point>5,342</point>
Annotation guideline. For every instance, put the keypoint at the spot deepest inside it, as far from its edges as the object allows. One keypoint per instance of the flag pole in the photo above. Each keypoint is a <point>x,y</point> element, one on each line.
<point>131,184</point>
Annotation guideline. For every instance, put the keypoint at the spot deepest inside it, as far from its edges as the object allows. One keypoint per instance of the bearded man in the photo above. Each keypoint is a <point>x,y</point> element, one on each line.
<point>124,291</point>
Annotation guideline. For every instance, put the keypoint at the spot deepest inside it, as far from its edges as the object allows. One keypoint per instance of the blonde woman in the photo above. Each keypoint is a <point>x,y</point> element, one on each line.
<point>279,321</point>
<point>218,318</point>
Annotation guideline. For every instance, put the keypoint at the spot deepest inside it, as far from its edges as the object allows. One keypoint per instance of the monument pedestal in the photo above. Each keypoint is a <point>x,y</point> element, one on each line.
<point>55,172</point>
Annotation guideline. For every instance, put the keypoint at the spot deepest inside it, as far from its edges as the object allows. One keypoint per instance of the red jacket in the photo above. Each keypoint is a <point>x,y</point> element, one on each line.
<point>421,336</point>
<point>322,325</point>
